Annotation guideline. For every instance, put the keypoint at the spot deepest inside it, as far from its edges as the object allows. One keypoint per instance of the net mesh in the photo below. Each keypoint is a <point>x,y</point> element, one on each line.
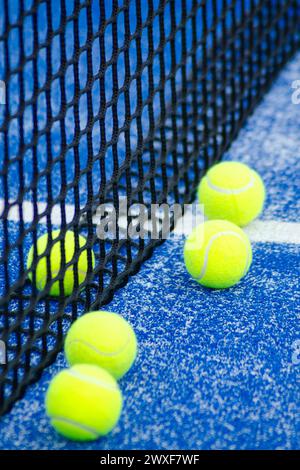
<point>104,100</point>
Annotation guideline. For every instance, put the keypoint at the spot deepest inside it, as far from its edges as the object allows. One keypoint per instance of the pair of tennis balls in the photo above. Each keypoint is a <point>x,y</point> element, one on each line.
<point>85,401</point>
<point>218,253</point>
<point>57,261</point>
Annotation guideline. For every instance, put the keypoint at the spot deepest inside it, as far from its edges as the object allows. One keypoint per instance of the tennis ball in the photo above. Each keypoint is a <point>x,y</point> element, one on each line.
<point>102,338</point>
<point>55,258</point>
<point>83,402</point>
<point>217,254</point>
<point>232,191</point>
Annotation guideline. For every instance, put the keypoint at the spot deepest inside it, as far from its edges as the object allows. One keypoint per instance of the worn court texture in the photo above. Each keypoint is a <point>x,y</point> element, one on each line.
<point>215,368</point>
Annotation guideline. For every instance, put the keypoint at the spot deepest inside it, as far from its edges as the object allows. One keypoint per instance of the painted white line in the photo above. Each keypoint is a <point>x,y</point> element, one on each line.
<point>274,231</point>
<point>28,212</point>
<point>263,231</point>
<point>259,231</point>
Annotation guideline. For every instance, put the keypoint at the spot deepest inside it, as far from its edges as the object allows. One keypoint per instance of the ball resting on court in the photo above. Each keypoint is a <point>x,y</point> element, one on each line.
<point>56,262</point>
<point>217,254</point>
<point>84,402</point>
<point>104,339</point>
<point>232,191</point>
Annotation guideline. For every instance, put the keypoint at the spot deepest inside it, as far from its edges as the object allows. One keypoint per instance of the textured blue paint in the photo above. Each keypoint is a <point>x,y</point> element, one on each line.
<point>214,368</point>
<point>270,142</point>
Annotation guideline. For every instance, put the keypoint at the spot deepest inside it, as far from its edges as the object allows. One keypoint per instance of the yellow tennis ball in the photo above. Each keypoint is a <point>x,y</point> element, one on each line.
<point>55,258</point>
<point>232,191</point>
<point>102,338</point>
<point>217,254</point>
<point>83,402</point>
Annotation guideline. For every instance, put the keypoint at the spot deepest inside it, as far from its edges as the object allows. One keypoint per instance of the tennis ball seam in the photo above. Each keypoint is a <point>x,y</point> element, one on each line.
<point>222,190</point>
<point>210,243</point>
<point>101,353</point>
<point>78,425</point>
<point>92,380</point>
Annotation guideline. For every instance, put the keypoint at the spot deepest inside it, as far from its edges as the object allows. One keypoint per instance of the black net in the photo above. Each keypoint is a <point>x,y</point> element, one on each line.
<point>105,100</point>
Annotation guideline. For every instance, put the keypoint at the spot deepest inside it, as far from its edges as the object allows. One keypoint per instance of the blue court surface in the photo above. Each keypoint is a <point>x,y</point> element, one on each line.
<point>215,369</point>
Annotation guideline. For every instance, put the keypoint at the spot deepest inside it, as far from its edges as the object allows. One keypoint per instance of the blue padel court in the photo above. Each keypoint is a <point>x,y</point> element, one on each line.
<point>216,369</point>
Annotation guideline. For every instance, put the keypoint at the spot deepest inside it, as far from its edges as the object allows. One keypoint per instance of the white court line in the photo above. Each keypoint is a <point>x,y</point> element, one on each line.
<point>28,212</point>
<point>274,231</point>
<point>264,231</point>
<point>258,231</point>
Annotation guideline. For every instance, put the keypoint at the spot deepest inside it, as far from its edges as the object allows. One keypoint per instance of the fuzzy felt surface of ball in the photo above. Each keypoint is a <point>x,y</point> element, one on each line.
<point>83,402</point>
<point>102,338</point>
<point>51,254</point>
<point>217,254</point>
<point>232,191</point>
